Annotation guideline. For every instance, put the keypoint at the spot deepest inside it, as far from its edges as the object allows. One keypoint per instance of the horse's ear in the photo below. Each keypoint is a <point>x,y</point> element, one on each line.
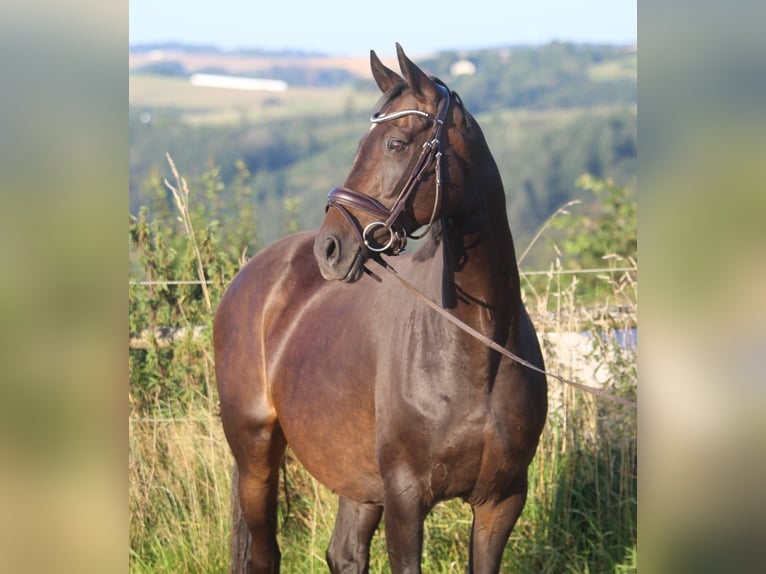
<point>384,77</point>
<point>420,83</point>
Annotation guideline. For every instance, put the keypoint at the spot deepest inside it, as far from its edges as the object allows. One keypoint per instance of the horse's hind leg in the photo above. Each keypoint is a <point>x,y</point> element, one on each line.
<point>349,550</point>
<point>259,458</point>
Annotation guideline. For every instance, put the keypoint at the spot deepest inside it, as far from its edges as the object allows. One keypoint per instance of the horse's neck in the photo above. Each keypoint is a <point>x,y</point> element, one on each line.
<point>480,279</point>
<point>481,242</point>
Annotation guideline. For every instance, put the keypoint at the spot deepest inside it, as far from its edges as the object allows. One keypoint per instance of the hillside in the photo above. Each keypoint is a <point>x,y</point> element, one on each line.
<point>549,114</point>
<point>188,61</point>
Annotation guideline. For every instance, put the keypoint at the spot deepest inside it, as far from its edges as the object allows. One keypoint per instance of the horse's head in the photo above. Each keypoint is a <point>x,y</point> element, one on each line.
<point>400,180</point>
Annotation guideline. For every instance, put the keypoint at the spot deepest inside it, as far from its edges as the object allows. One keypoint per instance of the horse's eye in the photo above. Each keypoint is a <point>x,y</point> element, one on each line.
<point>395,145</point>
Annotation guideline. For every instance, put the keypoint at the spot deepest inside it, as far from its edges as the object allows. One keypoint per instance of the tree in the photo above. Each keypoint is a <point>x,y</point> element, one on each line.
<point>605,235</point>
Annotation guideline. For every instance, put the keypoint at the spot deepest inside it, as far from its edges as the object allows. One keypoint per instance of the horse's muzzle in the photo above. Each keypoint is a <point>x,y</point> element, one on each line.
<point>336,261</point>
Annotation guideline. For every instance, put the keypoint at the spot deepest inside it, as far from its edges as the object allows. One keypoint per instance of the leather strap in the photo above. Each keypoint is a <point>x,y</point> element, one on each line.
<point>350,198</point>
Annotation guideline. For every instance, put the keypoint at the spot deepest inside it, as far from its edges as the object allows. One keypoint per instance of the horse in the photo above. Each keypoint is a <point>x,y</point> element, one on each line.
<point>385,403</point>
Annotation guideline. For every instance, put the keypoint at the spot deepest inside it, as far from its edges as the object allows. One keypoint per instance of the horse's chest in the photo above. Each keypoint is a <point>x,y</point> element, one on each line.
<point>455,446</point>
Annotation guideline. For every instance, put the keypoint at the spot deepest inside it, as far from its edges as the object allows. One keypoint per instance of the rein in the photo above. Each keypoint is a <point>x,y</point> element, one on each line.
<point>492,344</point>
<point>342,198</point>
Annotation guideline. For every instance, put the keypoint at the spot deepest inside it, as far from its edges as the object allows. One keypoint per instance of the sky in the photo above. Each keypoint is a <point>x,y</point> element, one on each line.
<point>354,27</point>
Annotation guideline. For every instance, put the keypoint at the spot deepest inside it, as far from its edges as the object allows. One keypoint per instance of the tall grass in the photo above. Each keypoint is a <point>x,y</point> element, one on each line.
<point>581,509</point>
<point>179,494</point>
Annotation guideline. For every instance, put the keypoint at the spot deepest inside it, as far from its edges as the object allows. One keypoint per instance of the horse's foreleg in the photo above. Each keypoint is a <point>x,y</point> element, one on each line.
<point>349,550</point>
<point>404,513</point>
<point>492,526</point>
<point>258,467</point>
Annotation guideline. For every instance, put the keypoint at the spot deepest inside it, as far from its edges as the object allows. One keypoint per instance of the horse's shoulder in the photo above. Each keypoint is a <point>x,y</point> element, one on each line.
<point>288,263</point>
<point>290,254</point>
<point>288,248</point>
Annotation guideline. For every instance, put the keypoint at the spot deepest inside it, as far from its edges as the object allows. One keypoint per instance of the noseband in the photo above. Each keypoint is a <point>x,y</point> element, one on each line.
<point>343,198</point>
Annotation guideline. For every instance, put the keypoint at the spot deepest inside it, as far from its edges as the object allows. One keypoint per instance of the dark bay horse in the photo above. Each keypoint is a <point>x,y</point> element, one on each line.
<point>385,402</point>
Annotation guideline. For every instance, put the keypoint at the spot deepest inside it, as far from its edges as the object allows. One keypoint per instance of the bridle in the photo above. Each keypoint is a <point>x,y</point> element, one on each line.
<point>342,198</point>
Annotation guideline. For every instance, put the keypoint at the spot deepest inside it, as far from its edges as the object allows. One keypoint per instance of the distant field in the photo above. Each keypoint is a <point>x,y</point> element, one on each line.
<point>235,64</point>
<point>219,106</point>
<point>623,69</point>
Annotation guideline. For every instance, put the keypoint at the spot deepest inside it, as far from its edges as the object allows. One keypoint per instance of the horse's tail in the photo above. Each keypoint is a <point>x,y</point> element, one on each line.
<point>240,535</point>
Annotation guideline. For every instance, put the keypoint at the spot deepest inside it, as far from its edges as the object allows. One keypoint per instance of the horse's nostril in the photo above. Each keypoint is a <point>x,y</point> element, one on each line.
<point>332,249</point>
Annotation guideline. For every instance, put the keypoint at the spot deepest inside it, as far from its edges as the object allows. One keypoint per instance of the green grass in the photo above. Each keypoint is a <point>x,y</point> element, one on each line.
<point>580,515</point>
<point>179,495</point>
